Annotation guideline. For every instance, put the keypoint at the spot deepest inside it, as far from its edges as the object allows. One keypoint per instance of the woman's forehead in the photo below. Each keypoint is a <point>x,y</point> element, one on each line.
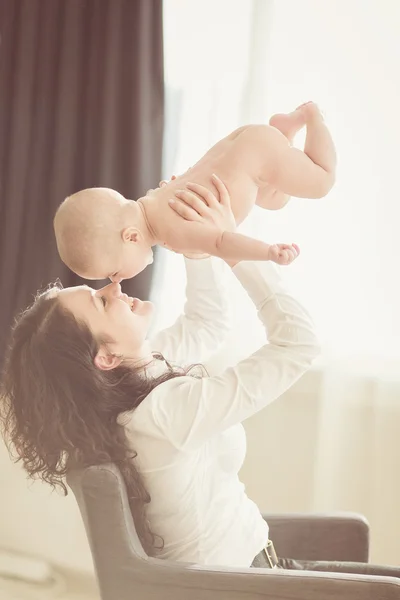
<point>76,289</point>
<point>76,294</point>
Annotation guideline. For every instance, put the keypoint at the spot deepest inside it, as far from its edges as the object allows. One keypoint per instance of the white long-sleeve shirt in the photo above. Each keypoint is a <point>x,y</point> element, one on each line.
<point>188,433</point>
<point>205,322</point>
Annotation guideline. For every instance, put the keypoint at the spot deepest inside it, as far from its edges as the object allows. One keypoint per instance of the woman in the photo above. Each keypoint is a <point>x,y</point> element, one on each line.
<point>83,384</point>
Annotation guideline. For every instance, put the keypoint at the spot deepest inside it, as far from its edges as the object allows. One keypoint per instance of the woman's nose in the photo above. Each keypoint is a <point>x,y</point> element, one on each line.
<point>112,289</point>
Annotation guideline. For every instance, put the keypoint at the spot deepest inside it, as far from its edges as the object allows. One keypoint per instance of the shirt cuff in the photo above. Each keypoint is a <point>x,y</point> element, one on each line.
<point>204,268</point>
<point>261,279</point>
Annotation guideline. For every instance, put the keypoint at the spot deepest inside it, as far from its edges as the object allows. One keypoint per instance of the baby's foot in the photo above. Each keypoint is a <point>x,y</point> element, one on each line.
<point>289,124</point>
<point>309,110</point>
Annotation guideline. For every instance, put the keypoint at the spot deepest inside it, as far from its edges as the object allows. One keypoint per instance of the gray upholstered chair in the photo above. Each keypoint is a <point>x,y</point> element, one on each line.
<point>124,572</point>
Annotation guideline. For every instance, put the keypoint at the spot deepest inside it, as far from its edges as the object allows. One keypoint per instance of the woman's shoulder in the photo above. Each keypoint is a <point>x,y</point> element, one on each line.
<point>144,416</point>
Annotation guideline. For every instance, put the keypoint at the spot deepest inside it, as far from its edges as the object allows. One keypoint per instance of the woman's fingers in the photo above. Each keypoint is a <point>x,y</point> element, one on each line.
<point>223,193</point>
<point>184,210</point>
<point>207,196</point>
<point>194,201</point>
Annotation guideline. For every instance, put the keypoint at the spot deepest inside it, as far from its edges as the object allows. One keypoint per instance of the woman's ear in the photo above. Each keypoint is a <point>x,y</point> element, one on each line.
<point>106,361</point>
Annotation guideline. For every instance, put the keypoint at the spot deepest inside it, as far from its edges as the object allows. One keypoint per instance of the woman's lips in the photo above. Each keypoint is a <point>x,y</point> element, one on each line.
<point>134,303</point>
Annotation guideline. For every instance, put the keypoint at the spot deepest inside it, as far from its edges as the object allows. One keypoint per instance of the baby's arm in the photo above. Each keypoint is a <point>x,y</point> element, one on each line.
<point>206,227</point>
<point>237,247</point>
<point>202,237</point>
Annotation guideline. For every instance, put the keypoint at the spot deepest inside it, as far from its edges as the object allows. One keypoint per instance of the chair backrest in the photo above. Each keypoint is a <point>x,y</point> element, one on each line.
<point>116,549</point>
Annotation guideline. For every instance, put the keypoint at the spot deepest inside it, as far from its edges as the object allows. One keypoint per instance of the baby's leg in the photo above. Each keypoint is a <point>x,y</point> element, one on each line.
<point>288,124</point>
<point>319,146</point>
<point>308,174</point>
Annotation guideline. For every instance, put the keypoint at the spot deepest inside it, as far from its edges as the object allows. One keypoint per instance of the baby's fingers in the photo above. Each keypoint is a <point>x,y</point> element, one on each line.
<point>293,250</point>
<point>164,182</point>
<point>290,255</point>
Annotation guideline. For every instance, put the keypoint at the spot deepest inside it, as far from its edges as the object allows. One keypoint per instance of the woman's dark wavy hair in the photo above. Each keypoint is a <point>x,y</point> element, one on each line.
<point>58,408</point>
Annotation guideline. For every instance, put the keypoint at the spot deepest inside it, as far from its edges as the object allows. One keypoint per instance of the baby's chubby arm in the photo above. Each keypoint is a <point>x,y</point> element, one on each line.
<point>232,246</point>
<point>236,247</point>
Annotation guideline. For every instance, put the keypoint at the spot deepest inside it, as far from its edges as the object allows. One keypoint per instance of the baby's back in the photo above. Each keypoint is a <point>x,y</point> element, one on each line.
<point>227,160</point>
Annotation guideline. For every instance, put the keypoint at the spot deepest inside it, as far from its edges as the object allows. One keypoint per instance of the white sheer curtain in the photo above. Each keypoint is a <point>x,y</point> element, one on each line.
<point>345,55</point>
<point>230,62</point>
<point>215,57</point>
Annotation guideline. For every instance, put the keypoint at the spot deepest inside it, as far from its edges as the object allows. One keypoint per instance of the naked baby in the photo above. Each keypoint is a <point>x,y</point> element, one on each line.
<point>100,234</point>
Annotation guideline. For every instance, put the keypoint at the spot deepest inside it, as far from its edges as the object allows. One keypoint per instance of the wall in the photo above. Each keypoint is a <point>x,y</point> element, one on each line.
<point>34,520</point>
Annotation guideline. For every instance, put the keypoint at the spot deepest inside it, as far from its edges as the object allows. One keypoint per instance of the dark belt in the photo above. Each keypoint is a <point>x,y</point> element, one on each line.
<point>267,558</point>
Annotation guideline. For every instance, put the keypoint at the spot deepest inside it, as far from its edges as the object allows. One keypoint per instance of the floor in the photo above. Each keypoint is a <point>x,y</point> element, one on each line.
<point>69,586</point>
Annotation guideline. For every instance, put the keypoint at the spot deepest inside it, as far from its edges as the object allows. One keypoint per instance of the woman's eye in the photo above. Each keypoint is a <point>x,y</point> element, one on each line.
<point>104,300</point>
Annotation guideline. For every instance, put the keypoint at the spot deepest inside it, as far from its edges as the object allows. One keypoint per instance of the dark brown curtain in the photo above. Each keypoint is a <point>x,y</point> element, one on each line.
<point>81,105</point>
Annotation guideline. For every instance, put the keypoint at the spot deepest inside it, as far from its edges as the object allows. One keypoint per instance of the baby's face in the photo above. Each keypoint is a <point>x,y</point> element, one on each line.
<point>129,261</point>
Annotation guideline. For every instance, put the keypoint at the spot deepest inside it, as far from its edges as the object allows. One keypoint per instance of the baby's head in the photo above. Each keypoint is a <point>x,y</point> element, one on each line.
<point>102,235</point>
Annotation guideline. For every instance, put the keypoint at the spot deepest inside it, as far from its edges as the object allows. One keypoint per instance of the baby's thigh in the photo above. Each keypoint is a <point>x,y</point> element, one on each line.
<point>270,198</point>
<point>257,149</point>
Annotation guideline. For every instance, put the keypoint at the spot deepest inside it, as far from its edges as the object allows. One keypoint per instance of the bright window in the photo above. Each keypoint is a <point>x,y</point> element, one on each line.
<point>344,55</point>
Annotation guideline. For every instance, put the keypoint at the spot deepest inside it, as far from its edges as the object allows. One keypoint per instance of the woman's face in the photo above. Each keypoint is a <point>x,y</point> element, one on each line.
<point>112,315</point>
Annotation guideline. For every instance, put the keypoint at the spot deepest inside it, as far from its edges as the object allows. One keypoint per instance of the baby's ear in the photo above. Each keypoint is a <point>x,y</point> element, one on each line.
<point>130,234</point>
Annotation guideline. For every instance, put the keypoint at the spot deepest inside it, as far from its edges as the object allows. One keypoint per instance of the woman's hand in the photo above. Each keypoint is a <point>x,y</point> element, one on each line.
<point>198,203</point>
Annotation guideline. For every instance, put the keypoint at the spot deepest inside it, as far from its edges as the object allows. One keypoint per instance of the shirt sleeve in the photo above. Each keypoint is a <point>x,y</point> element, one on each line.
<point>205,322</point>
<point>189,411</point>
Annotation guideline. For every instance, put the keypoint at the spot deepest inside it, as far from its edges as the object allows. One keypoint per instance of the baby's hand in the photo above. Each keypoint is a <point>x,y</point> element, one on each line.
<point>283,254</point>
<point>164,182</point>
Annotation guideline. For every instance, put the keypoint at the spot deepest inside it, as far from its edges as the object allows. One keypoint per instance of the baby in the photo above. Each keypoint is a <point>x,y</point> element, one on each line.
<point>101,235</point>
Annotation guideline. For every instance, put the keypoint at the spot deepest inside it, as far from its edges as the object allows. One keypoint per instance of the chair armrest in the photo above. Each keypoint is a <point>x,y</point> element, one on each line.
<point>201,583</point>
<point>341,536</point>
